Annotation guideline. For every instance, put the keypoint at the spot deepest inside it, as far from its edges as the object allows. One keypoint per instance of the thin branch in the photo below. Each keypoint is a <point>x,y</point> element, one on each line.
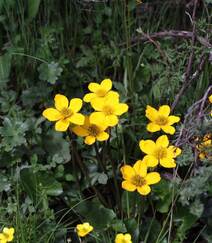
<point>170,33</point>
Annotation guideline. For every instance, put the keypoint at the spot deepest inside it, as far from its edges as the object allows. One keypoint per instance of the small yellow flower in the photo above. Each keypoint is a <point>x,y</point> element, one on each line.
<point>136,178</point>
<point>99,90</point>
<point>65,112</point>
<point>108,110</point>
<point>91,131</point>
<point>159,152</point>
<point>84,229</point>
<point>210,98</point>
<point>160,119</point>
<point>205,146</point>
<point>123,238</point>
<point>7,235</point>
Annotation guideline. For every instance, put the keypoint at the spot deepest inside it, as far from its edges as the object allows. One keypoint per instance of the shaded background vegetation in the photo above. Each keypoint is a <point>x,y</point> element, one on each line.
<point>49,47</point>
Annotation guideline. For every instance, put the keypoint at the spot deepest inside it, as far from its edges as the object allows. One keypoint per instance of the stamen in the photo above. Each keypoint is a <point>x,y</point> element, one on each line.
<point>162,120</point>
<point>138,180</point>
<point>93,130</point>
<point>108,110</point>
<point>66,112</point>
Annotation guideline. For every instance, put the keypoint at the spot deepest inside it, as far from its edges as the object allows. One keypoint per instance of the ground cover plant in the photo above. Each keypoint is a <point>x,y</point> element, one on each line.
<point>105,121</point>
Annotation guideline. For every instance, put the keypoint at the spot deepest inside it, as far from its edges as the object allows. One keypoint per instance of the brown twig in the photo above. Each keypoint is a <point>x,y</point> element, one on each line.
<point>170,33</point>
<point>187,83</point>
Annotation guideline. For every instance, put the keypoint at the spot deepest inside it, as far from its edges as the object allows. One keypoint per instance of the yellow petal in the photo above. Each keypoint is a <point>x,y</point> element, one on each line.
<point>93,87</point>
<point>144,190</point>
<point>127,185</point>
<point>102,136</point>
<point>62,125</point>
<point>90,140</point>
<point>3,238</point>
<point>127,172</point>
<point>168,129</point>
<point>98,103</point>
<point>173,119</point>
<point>88,97</point>
<point>61,102</point>
<point>151,113</point>
<point>106,84</point>
<point>112,94</point>
<point>80,131</point>
<point>152,127</point>
<point>75,104</point>
<point>112,98</point>
<point>152,178</point>
<point>120,109</point>
<point>97,118</point>
<point>164,110</point>
<point>147,146</point>
<point>167,163</point>
<point>175,150</point>
<point>77,119</point>
<point>52,114</point>
<point>112,120</point>
<point>123,238</point>
<point>162,141</point>
<point>140,168</point>
<point>210,98</point>
<point>150,160</point>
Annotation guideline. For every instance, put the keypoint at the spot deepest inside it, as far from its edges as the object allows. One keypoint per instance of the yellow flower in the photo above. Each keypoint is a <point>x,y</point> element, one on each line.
<point>99,90</point>
<point>205,146</point>
<point>91,131</point>
<point>210,98</point>
<point>84,229</point>
<point>108,110</point>
<point>160,119</point>
<point>159,152</point>
<point>65,112</point>
<point>7,235</point>
<point>136,178</point>
<point>123,238</point>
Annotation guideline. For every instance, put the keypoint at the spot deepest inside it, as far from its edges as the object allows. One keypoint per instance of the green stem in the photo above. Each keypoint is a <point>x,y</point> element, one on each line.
<point>99,159</point>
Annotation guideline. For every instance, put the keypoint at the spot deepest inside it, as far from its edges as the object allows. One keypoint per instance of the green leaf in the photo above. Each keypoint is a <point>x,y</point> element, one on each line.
<point>118,226</point>
<point>163,191</point>
<point>37,183</point>
<point>50,72</point>
<point>33,6</point>
<point>133,228</point>
<point>48,184</point>
<point>29,183</point>
<point>185,220</point>
<point>4,183</point>
<point>150,230</point>
<point>96,214</point>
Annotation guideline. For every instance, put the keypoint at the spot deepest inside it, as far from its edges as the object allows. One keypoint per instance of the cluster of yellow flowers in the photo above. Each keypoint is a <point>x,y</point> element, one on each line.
<point>107,109</point>
<point>204,147</point>
<point>136,177</point>
<point>85,228</point>
<point>7,235</point>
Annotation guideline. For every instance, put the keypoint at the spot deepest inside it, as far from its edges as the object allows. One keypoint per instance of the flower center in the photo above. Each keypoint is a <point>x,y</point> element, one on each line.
<point>101,92</point>
<point>93,130</point>
<point>66,112</point>
<point>138,180</point>
<point>108,110</point>
<point>161,153</point>
<point>162,120</point>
